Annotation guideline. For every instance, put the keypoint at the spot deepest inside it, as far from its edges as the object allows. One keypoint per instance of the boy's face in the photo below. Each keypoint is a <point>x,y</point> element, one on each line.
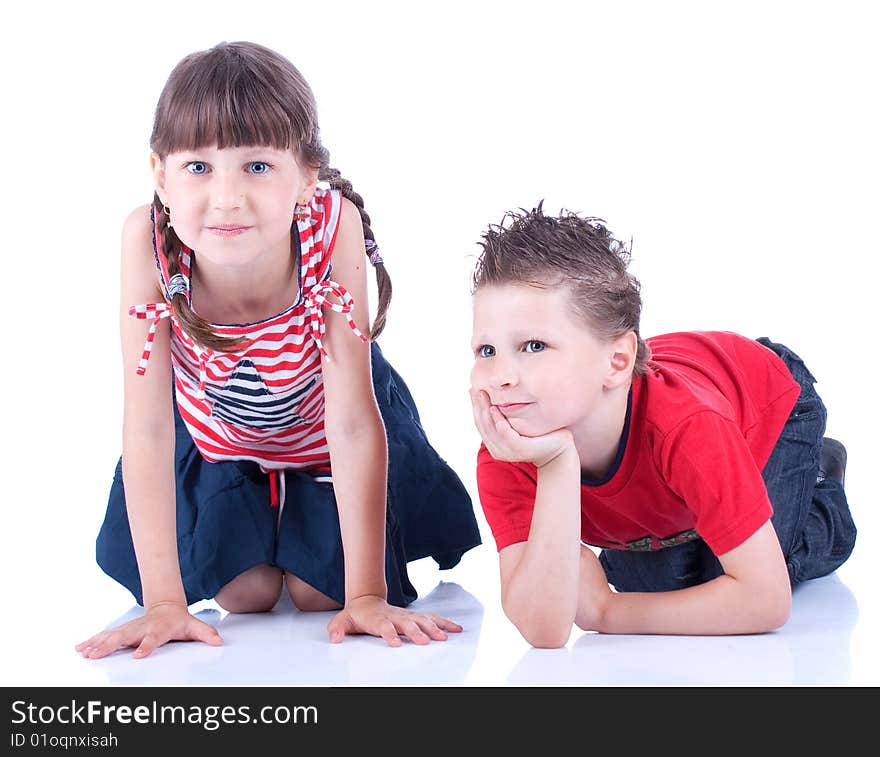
<point>538,361</point>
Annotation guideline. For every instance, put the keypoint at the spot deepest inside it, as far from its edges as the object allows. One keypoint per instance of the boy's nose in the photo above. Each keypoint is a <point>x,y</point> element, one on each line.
<point>503,374</point>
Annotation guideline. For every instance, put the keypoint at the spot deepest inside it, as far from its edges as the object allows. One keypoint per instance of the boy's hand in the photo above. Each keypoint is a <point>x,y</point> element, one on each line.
<point>503,441</point>
<point>159,624</point>
<point>373,615</point>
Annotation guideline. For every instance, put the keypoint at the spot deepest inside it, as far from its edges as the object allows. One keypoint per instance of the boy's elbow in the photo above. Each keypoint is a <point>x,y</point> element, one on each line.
<point>778,612</point>
<point>546,638</point>
<point>773,610</point>
<point>542,632</point>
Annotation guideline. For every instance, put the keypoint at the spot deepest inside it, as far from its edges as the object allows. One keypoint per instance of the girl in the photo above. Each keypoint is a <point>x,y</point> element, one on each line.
<point>268,460</point>
<point>696,460</point>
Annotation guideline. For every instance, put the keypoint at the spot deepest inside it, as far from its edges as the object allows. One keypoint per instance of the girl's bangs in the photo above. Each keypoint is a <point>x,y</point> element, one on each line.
<point>223,114</point>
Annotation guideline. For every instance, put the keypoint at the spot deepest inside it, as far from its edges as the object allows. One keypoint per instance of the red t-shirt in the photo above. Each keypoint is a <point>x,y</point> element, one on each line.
<point>701,425</point>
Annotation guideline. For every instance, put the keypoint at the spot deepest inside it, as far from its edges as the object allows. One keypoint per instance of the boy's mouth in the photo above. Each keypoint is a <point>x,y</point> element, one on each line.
<point>510,408</point>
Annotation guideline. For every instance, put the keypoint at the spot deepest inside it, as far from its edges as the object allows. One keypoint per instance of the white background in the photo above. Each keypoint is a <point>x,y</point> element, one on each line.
<point>734,143</point>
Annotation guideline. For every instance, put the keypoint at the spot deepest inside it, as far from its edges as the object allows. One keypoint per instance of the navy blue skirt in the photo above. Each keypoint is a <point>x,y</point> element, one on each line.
<point>226,524</point>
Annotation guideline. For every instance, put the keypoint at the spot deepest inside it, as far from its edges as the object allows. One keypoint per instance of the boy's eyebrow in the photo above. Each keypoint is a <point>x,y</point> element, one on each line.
<point>518,336</point>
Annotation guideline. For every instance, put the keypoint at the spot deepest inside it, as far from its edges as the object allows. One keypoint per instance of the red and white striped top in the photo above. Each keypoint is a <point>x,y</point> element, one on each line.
<point>265,401</point>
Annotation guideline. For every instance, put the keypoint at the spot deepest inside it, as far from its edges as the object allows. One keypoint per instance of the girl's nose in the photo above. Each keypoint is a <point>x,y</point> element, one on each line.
<point>226,192</point>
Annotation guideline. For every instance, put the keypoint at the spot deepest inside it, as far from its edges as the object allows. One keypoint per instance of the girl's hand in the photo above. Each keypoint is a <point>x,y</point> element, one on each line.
<point>594,592</point>
<point>505,443</point>
<point>161,623</point>
<point>373,615</point>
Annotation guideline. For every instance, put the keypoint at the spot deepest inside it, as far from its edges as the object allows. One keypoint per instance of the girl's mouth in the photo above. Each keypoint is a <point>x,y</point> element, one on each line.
<point>228,230</point>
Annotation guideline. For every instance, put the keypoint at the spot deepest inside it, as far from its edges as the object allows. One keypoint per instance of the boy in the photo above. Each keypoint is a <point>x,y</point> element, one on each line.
<point>695,461</point>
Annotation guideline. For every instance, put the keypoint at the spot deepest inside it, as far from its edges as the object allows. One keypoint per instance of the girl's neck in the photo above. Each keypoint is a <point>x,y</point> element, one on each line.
<point>268,285</point>
<point>597,438</point>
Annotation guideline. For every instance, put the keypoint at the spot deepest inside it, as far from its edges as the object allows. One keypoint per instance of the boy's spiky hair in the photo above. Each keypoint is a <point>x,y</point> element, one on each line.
<point>529,247</point>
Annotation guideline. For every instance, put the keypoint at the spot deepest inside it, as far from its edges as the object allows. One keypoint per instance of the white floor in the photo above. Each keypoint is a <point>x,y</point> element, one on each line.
<point>830,640</point>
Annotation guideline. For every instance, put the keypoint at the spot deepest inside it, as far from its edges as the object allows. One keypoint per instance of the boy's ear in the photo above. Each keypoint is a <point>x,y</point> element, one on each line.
<point>623,359</point>
<point>157,167</point>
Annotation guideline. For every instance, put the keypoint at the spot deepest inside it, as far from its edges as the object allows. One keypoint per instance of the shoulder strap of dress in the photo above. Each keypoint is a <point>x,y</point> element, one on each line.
<point>317,229</point>
<point>317,234</point>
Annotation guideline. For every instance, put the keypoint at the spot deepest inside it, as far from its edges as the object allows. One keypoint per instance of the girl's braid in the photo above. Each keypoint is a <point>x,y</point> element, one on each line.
<point>195,326</point>
<point>383,280</point>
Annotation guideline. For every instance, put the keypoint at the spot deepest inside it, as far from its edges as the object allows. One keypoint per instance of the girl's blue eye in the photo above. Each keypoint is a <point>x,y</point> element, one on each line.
<point>486,350</point>
<point>197,167</point>
<point>535,345</point>
<point>259,167</point>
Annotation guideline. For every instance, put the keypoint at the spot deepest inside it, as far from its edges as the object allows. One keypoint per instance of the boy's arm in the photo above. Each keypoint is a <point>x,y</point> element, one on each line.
<point>539,577</point>
<point>707,462</point>
<point>753,596</point>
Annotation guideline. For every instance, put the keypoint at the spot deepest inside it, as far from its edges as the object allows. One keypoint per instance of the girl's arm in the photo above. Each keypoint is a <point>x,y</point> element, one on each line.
<point>359,460</point>
<point>352,422</point>
<point>753,596</point>
<point>148,424</point>
<point>148,463</point>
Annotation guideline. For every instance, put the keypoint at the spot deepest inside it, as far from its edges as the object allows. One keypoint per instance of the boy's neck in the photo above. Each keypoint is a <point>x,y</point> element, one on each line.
<point>597,438</point>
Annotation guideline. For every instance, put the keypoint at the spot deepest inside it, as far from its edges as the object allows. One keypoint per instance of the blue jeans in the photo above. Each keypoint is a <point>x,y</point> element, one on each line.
<point>811,518</point>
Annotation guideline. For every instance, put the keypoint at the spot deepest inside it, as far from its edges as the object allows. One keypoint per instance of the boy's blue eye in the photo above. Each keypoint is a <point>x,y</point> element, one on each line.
<point>258,167</point>
<point>486,350</point>
<point>535,345</point>
<point>197,167</point>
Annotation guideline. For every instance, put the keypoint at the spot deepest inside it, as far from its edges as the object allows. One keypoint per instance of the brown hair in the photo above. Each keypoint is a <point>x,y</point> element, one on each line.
<point>539,250</point>
<point>240,94</point>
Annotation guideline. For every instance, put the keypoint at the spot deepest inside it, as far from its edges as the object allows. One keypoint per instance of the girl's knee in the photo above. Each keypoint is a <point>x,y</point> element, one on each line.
<point>307,598</point>
<point>255,590</point>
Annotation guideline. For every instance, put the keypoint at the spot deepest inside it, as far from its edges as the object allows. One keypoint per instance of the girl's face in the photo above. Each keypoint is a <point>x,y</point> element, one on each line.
<point>235,204</point>
<point>536,359</point>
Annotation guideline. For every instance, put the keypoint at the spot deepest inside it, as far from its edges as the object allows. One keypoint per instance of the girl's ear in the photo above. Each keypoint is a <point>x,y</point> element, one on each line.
<point>157,167</point>
<point>623,358</point>
<point>308,190</point>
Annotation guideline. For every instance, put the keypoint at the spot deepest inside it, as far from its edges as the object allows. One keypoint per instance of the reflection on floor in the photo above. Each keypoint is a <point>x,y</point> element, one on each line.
<point>291,648</point>
<point>287,647</point>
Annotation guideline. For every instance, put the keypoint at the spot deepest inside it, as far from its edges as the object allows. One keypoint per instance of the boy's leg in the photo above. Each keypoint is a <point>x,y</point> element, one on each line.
<point>811,517</point>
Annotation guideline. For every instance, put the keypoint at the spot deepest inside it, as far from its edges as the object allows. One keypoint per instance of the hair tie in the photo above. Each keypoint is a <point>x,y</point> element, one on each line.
<point>178,285</point>
<point>373,251</point>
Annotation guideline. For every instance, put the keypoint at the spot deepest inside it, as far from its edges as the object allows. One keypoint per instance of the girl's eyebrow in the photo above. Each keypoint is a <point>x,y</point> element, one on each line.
<point>263,150</point>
